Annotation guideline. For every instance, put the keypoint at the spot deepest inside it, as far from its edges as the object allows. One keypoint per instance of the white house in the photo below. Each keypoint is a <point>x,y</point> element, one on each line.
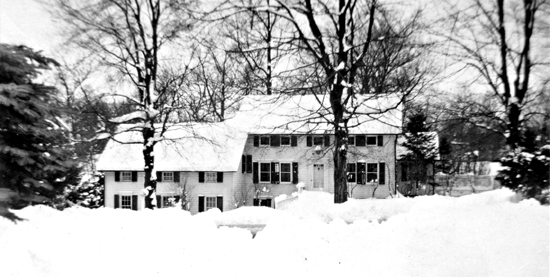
<point>264,150</point>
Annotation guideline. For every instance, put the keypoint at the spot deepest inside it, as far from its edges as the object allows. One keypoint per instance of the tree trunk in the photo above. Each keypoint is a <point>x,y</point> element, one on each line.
<point>149,158</point>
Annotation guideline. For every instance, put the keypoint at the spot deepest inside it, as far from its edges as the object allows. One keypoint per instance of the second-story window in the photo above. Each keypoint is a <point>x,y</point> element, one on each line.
<point>317,140</point>
<point>211,177</point>
<point>285,141</point>
<point>264,141</point>
<point>126,176</point>
<point>371,140</point>
<point>167,176</point>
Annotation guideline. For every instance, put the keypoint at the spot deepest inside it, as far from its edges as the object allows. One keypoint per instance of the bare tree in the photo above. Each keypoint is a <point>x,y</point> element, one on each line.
<point>500,46</point>
<point>127,36</point>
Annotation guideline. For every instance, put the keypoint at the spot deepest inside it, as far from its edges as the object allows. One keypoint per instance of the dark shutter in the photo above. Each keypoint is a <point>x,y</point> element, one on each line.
<point>134,176</point>
<point>117,201</point>
<point>274,174</point>
<point>256,141</point>
<point>309,141</point>
<point>275,140</point>
<point>134,202</point>
<point>361,172</point>
<point>248,163</point>
<point>243,164</point>
<point>159,201</point>
<point>176,199</point>
<point>360,140</point>
<point>201,176</point>
<point>380,140</point>
<point>117,176</point>
<point>295,173</point>
<point>255,178</point>
<point>176,176</point>
<point>382,173</point>
<point>219,202</point>
<point>220,177</point>
<point>327,140</point>
<point>256,202</point>
<point>293,141</point>
<point>201,203</point>
<point>159,176</point>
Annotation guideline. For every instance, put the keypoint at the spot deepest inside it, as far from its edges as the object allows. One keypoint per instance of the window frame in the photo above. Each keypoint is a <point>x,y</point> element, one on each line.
<point>367,172</point>
<point>285,137</point>
<point>268,138</point>
<point>289,172</point>
<point>351,138</point>
<point>371,137</point>
<point>268,172</point>
<point>210,177</point>
<point>168,173</point>
<point>126,202</point>
<point>206,198</point>
<point>127,178</point>
<point>318,139</point>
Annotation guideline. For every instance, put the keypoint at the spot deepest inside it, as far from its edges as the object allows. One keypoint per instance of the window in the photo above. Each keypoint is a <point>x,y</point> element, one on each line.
<point>286,172</point>
<point>265,172</point>
<point>126,176</point>
<point>264,202</point>
<point>168,176</point>
<point>351,140</point>
<point>352,174</point>
<point>285,141</point>
<point>371,140</point>
<point>317,140</point>
<point>211,177</point>
<point>372,173</point>
<point>126,200</point>
<point>168,201</point>
<point>264,140</point>
<point>210,203</point>
<point>360,141</point>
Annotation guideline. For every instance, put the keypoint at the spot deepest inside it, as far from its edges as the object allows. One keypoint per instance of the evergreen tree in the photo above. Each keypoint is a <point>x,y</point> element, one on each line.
<point>421,149</point>
<point>36,158</point>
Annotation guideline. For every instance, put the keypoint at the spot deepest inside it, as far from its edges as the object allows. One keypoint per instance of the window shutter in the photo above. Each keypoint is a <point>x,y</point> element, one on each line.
<point>159,176</point>
<point>117,176</point>
<point>134,176</point>
<point>176,177</point>
<point>380,140</point>
<point>220,177</point>
<point>256,141</point>
<point>134,202</point>
<point>293,141</point>
<point>176,199</point>
<point>382,173</point>
<point>159,201</point>
<point>274,173</point>
<point>309,141</point>
<point>255,177</point>
<point>360,140</point>
<point>327,140</point>
<point>243,163</point>
<point>248,163</point>
<point>267,202</point>
<point>201,203</point>
<point>201,176</point>
<point>295,173</point>
<point>219,202</point>
<point>117,201</point>
<point>256,202</point>
<point>275,140</point>
<point>361,173</point>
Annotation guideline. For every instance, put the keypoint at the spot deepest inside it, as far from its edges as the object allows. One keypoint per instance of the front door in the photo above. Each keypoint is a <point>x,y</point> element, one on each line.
<point>318,177</point>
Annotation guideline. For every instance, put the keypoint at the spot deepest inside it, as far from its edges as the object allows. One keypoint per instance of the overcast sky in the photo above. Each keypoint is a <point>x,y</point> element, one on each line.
<point>26,22</point>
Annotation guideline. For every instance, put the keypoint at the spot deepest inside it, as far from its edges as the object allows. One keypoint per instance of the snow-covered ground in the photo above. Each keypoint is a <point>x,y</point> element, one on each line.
<point>487,234</point>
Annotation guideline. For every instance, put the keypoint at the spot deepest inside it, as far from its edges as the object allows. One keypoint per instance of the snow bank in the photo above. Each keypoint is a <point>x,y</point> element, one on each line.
<point>488,234</point>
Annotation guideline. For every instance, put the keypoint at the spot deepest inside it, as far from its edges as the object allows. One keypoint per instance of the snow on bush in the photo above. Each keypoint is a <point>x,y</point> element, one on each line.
<point>488,234</point>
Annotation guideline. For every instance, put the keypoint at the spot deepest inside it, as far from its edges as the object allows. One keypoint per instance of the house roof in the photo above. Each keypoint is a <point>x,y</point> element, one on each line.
<point>185,147</point>
<point>301,114</point>
<point>402,151</point>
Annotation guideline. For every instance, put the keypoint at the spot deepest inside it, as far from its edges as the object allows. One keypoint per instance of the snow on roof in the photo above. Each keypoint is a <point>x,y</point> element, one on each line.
<point>403,151</point>
<point>300,114</point>
<point>185,147</point>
